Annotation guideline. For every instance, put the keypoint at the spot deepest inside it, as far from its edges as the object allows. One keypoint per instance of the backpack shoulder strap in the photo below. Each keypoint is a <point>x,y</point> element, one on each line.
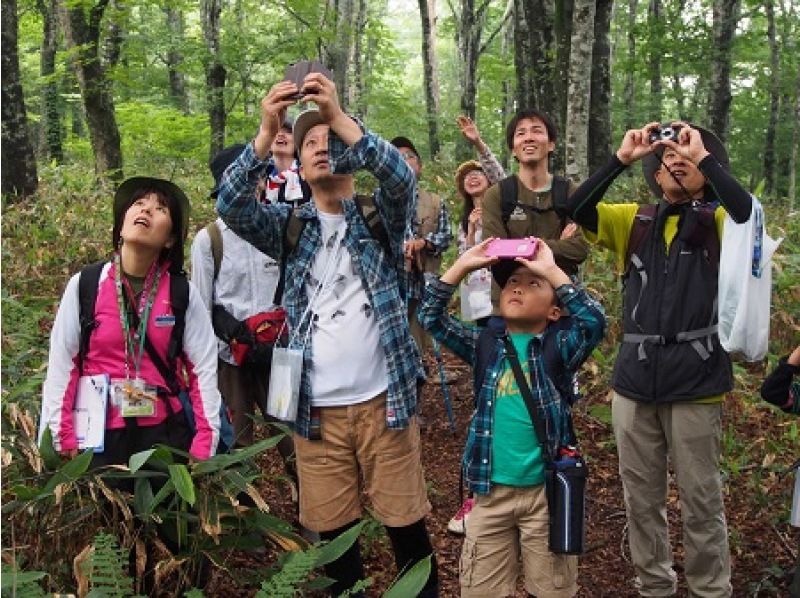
<point>508,196</point>
<point>179,298</point>
<point>292,230</point>
<point>559,192</point>
<point>645,216</point>
<point>485,350</point>
<point>372,218</point>
<point>215,236</point>
<point>87,297</point>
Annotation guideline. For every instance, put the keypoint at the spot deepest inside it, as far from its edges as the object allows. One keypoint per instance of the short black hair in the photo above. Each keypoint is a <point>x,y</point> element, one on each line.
<point>530,113</point>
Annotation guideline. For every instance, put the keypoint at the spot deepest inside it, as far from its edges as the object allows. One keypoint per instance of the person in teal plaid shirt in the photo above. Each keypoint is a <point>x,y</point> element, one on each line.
<point>503,463</point>
<point>345,295</point>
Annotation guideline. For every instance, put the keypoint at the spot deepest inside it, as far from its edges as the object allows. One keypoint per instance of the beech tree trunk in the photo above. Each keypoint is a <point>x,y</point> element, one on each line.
<point>629,93</point>
<point>427,13</point>
<point>51,110</point>
<point>726,15</point>
<point>563,22</point>
<point>338,51</point>
<point>580,70</point>
<point>534,54</point>
<point>656,32</point>
<point>177,80</point>
<point>599,136</point>
<point>19,162</point>
<point>82,32</point>
<point>358,99</point>
<point>215,74</point>
<point>774,96</point>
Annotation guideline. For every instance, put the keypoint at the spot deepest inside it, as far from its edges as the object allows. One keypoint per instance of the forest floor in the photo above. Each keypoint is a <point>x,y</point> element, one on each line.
<point>763,545</point>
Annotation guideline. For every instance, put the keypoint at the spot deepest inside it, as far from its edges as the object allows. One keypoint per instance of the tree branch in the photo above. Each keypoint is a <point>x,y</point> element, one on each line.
<point>498,29</point>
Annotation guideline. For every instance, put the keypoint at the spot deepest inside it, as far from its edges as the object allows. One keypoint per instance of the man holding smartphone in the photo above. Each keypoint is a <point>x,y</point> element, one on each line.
<point>343,296</point>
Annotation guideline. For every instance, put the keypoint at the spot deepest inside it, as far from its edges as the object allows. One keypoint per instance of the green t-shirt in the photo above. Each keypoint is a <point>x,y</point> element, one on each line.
<point>516,456</point>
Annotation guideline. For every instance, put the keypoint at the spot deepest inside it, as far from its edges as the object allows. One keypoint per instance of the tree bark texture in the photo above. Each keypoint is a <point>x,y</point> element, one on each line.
<point>726,15</point>
<point>19,162</point>
<point>795,142</point>
<point>534,54</point>
<point>563,24</point>
<point>774,96</point>
<point>655,34</point>
<point>427,13</point>
<point>338,51</point>
<point>580,69</point>
<point>177,80</point>
<point>51,110</point>
<point>600,97</point>
<point>215,74</point>
<point>82,32</point>
<point>629,93</point>
<point>358,99</point>
<point>115,34</point>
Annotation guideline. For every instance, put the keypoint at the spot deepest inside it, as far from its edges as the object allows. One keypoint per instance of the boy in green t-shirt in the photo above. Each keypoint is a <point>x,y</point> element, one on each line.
<point>503,462</point>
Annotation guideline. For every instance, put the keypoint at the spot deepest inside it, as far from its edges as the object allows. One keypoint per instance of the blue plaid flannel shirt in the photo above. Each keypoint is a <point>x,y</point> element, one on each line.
<point>440,239</point>
<point>381,274</point>
<point>575,344</point>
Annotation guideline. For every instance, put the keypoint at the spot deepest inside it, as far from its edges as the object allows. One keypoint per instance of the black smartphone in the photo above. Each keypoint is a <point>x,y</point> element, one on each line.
<point>296,73</point>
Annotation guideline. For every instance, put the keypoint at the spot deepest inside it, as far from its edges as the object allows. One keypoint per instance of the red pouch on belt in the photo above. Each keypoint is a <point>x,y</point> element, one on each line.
<point>264,327</point>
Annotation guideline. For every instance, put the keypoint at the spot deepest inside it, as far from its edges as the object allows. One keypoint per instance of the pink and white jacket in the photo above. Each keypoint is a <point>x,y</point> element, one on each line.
<point>107,356</point>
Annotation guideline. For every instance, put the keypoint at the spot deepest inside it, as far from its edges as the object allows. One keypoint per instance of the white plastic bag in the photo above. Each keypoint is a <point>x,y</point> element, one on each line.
<point>476,296</point>
<point>745,285</point>
<point>284,383</point>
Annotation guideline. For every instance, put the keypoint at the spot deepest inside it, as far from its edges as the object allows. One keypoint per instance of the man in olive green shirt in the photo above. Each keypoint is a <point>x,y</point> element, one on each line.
<point>531,137</point>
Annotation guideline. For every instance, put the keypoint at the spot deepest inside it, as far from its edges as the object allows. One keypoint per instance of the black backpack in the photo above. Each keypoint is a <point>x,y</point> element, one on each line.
<point>509,194</point>
<point>179,300</point>
<point>486,352</point>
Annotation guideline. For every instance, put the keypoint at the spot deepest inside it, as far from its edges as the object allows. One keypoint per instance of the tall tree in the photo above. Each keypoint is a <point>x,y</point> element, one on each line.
<point>629,93</point>
<point>795,143</point>
<point>580,69</point>
<point>211,13</point>
<point>358,89</point>
<point>600,96</point>
<point>726,15</point>
<point>677,68</point>
<point>563,27</point>
<point>339,48</point>
<point>471,21</point>
<point>177,80</point>
<point>82,32</point>
<point>774,96</point>
<point>427,13</point>
<point>19,162</point>
<point>51,112</point>
<point>655,34</point>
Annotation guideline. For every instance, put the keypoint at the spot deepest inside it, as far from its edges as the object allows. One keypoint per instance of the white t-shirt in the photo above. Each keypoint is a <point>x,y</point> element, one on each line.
<point>349,364</point>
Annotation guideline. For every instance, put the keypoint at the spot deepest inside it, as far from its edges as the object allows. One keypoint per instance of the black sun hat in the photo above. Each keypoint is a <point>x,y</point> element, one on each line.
<point>130,186</point>
<point>651,163</point>
<point>220,162</point>
<point>401,141</point>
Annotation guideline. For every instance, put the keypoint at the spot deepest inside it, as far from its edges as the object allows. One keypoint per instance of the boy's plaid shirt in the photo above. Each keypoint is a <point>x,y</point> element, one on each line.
<point>575,344</point>
<point>381,275</point>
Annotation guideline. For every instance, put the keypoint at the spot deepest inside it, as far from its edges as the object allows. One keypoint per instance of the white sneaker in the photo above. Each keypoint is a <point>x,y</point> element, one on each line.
<point>458,524</point>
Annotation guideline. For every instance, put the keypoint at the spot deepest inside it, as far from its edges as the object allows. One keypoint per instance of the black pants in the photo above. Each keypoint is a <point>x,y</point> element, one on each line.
<point>411,543</point>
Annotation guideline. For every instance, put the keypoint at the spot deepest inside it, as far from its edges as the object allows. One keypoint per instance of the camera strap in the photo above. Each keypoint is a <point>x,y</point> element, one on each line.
<point>684,189</point>
<point>527,396</point>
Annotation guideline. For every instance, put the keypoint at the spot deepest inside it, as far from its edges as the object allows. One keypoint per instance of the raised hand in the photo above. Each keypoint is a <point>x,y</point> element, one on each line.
<point>273,113</point>
<point>636,144</point>
<point>689,145</point>
<point>472,259</point>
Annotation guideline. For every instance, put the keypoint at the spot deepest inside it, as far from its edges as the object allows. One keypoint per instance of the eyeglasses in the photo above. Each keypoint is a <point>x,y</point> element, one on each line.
<point>474,173</point>
<point>408,154</point>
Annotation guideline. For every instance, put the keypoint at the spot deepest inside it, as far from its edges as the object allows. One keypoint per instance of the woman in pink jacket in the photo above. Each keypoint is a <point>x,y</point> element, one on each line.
<point>133,309</point>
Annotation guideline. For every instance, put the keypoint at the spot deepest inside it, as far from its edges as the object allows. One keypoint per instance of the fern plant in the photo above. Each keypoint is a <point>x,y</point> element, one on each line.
<point>107,569</point>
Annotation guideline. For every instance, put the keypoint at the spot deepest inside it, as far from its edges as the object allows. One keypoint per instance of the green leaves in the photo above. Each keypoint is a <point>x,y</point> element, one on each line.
<point>180,478</point>
<point>411,582</point>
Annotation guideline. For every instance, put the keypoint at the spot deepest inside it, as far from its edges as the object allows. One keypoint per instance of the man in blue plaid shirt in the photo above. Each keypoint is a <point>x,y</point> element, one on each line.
<point>346,309</point>
<point>504,464</point>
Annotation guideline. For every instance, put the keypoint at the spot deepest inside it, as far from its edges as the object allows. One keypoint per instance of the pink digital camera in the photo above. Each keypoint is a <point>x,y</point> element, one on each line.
<point>512,248</point>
